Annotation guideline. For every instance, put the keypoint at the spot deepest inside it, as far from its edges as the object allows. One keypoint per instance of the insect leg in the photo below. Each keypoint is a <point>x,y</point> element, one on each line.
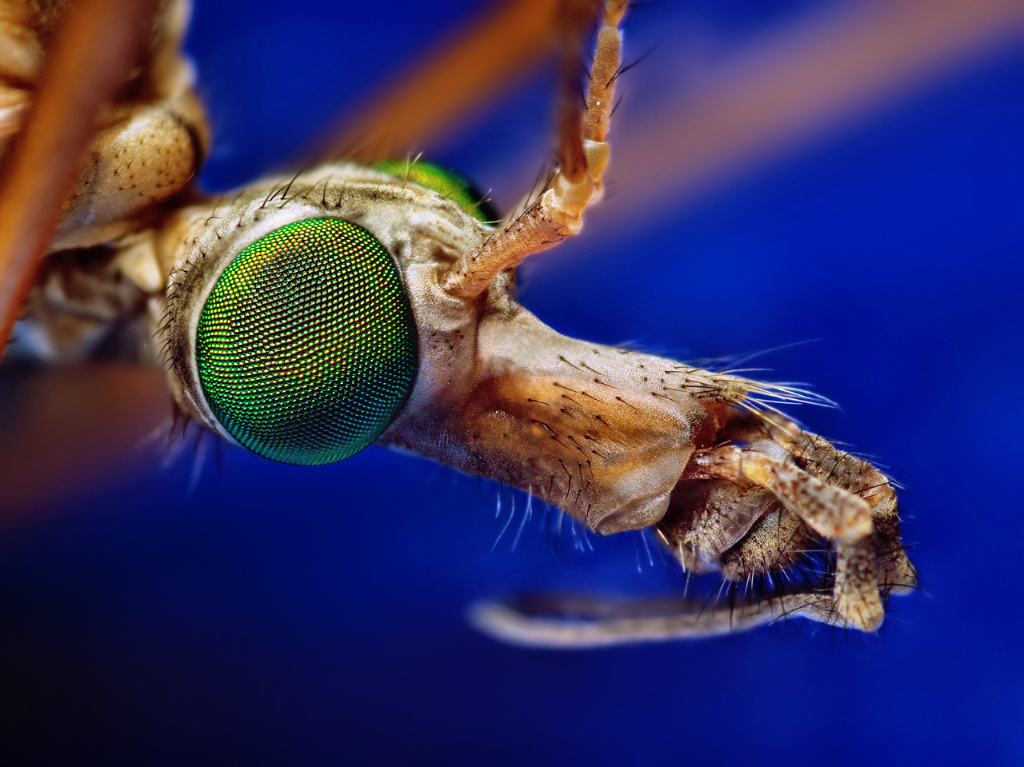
<point>830,511</point>
<point>896,574</point>
<point>707,519</point>
<point>558,213</point>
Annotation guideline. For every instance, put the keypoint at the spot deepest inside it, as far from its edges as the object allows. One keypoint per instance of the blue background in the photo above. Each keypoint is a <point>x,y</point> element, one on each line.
<point>288,615</point>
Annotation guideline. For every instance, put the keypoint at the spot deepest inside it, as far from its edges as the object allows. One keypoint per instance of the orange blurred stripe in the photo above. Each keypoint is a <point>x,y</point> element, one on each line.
<point>90,58</point>
<point>457,77</point>
<point>813,78</point>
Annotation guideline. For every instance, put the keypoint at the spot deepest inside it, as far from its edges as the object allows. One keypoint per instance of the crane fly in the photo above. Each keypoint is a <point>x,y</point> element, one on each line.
<point>370,297</point>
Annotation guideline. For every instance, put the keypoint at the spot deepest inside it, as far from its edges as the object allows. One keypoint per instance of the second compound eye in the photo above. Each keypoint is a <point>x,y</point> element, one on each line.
<point>306,346</point>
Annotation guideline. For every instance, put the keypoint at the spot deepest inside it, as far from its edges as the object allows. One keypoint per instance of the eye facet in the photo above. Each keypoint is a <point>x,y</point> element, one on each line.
<point>306,347</point>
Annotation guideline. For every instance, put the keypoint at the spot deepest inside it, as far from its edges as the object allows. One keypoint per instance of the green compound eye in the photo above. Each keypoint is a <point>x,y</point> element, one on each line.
<point>445,182</point>
<point>306,347</point>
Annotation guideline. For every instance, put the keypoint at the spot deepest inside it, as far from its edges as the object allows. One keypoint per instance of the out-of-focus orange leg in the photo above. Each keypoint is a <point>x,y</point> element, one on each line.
<point>94,50</point>
<point>453,79</point>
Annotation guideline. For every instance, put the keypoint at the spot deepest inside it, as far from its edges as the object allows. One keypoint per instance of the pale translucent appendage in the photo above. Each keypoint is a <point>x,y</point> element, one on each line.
<point>604,624</point>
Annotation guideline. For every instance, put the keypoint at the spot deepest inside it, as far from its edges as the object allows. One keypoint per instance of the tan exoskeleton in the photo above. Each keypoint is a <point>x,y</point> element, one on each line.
<point>617,439</point>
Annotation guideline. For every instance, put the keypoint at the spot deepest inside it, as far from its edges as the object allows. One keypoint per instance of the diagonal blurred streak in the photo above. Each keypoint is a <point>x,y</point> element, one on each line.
<point>95,47</point>
<point>814,78</point>
<point>795,86</point>
<point>451,81</point>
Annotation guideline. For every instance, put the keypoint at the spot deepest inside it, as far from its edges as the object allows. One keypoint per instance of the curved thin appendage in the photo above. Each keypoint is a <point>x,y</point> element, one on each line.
<point>521,627</point>
<point>583,158</point>
<point>94,50</point>
<point>452,80</point>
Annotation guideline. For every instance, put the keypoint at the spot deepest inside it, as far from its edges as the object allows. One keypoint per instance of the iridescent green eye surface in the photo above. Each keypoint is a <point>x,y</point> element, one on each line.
<point>306,346</point>
<point>445,182</point>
